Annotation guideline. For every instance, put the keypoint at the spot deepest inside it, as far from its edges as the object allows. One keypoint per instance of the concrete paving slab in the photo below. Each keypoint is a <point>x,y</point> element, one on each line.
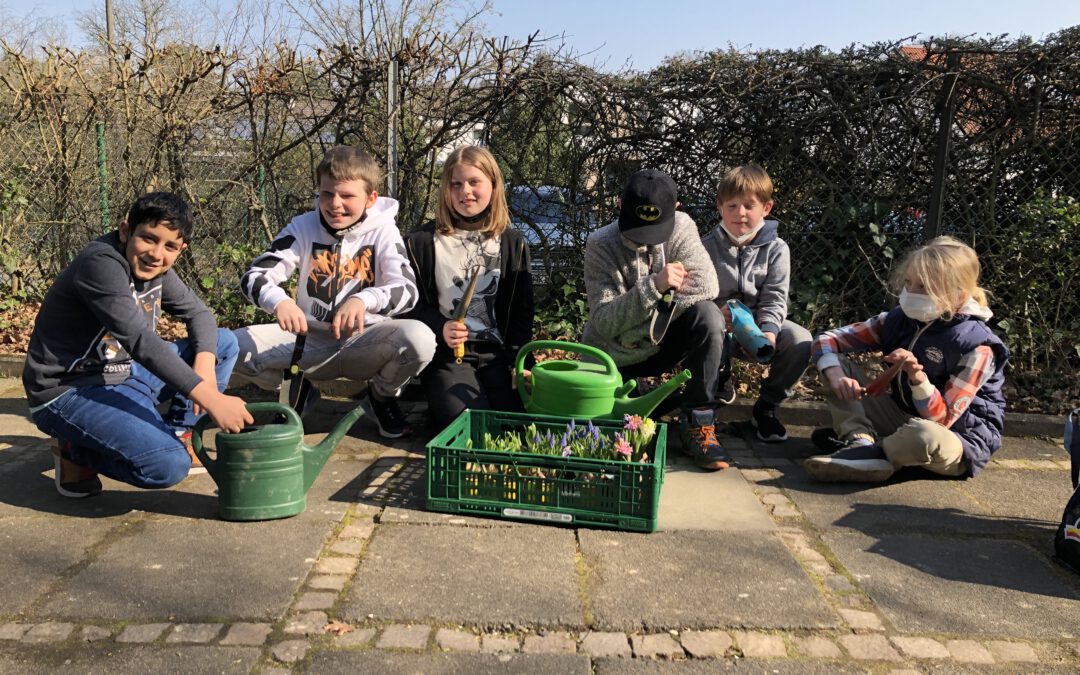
<point>703,666</point>
<point>697,580</point>
<point>1030,501</point>
<point>135,660</point>
<point>960,585</point>
<point>391,663</point>
<point>485,577</point>
<point>692,499</point>
<point>194,569</point>
<point>920,505</point>
<point>35,551</point>
<point>1029,448</point>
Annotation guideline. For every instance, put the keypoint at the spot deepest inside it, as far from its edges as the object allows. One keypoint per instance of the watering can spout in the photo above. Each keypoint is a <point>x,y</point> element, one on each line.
<point>315,458</point>
<point>645,404</point>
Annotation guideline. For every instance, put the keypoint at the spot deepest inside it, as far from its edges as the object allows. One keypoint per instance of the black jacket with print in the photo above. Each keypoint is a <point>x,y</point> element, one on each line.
<point>514,304</point>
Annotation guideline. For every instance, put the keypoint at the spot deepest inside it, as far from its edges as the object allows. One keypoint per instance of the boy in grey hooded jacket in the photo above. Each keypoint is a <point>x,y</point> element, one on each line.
<point>753,265</point>
<point>651,287</point>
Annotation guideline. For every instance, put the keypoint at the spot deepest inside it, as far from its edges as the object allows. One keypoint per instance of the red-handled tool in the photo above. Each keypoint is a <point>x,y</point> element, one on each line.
<point>880,383</point>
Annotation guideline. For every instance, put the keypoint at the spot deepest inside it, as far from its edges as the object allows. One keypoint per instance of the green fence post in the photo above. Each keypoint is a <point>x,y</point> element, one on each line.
<point>103,178</point>
<point>260,180</point>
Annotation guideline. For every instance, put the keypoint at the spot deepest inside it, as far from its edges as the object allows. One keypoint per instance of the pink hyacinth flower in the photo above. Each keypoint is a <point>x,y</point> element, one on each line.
<point>633,422</point>
<point>623,448</point>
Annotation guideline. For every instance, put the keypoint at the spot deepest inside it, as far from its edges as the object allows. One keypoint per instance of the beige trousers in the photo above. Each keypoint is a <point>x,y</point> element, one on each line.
<point>907,440</point>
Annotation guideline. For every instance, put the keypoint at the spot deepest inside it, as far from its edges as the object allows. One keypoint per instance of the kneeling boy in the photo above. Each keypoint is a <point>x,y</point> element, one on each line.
<point>96,368</point>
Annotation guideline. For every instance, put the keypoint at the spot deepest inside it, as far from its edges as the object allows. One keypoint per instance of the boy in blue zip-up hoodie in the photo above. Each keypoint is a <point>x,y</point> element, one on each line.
<point>354,281</point>
<point>753,266</point>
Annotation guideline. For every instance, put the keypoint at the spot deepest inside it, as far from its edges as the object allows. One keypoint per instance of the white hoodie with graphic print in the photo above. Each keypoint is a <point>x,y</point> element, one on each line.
<point>367,261</point>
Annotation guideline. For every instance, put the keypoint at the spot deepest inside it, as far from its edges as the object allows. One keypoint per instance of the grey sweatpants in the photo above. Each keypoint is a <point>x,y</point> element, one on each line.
<point>386,355</point>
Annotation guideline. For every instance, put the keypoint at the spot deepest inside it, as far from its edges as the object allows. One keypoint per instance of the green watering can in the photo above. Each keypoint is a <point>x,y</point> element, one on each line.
<point>264,471</point>
<point>584,390</point>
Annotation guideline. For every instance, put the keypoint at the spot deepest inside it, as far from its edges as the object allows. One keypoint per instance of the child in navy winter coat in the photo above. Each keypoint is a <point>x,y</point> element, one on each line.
<point>945,409</point>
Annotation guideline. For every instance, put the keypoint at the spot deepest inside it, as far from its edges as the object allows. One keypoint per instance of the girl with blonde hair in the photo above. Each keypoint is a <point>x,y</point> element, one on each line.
<point>944,411</point>
<point>469,238</point>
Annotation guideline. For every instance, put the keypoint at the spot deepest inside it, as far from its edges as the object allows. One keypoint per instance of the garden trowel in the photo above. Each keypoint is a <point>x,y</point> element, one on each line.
<point>463,310</point>
<point>295,389</point>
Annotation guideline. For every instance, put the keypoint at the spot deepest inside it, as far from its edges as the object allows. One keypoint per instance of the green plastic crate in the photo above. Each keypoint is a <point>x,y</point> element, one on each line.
<point>524,486</point>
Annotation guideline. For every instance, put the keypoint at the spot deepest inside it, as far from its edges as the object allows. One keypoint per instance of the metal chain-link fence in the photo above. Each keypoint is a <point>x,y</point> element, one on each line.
<point>872,150</point>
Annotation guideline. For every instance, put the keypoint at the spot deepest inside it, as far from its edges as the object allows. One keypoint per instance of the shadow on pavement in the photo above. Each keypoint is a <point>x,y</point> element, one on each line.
<point>962,557</point>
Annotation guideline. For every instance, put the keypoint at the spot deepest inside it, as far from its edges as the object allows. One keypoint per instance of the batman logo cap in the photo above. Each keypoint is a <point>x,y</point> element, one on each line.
<point>647,214</point>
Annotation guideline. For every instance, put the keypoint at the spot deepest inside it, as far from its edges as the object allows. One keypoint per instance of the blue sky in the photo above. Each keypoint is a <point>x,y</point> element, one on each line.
<point>644,31</point>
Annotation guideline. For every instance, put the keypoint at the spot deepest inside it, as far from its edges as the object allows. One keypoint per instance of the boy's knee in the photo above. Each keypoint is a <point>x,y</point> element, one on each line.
<point>913,444</point>
<point>228,346</point>
<point>164,470</point>
<point>706,319</point>
<point>418,340</point>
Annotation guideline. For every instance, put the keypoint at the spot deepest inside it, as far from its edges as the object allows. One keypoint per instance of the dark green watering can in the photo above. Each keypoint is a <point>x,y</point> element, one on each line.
<point>264,471</point>
<point>581,389</point>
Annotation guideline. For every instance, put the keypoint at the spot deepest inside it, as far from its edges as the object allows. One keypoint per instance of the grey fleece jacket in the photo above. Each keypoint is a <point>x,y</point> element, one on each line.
<point>96,318</point>
<point>622,290</point>
<point>757,274</point>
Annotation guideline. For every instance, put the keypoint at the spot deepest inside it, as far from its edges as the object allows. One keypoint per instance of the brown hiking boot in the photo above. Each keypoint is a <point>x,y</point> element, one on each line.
<point>196,463</point>
<point>71,480</point>
<point>698,431</point>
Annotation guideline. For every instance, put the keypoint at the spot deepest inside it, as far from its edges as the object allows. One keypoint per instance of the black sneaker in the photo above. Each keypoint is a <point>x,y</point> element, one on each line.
<point>388,417</point>
<point>697,429</point>
<point>825,438</point>
<point>858,462</point>
<point>769,428</point>
<point>725,392</point>
<point>71,480</point>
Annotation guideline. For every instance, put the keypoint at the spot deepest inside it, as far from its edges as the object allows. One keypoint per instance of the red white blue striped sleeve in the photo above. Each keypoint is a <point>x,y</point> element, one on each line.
<point>945,406</point>
<point>856,337</point>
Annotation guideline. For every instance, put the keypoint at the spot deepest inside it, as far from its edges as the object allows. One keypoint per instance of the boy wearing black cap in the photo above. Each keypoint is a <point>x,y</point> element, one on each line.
<point>651,287</point>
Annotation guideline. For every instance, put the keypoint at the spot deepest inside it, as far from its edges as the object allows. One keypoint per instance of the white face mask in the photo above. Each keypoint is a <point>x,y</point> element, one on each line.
<point>749,236</point>
<point>918,306</point>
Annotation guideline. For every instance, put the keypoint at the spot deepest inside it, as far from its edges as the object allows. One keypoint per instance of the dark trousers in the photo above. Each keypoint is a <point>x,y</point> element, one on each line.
<point>696,340</point>
<point>481,381</point>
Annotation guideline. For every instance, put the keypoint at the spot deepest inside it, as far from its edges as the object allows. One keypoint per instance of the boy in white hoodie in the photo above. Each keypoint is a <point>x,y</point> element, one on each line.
<point>354,279</point>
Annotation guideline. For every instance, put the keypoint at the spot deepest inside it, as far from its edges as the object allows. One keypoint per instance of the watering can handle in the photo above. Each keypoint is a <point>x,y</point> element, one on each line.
<point>575,347</point>
<point>206,421</point>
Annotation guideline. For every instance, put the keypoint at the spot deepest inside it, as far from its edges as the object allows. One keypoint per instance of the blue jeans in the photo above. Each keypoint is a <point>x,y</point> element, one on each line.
<point>117,431</point>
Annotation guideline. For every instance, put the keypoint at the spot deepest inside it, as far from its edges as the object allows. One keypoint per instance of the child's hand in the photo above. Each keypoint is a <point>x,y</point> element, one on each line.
<point>673,275</point>
<point>845,388</point>
<point>290,317</point>
<point>771,337</point>
<point>349,318</point>
<point>229,413</point>
<point>454,333</point>
<point>912,368</point>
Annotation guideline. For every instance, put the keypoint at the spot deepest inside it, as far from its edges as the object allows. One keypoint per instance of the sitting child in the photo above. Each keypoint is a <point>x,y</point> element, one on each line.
<point>649,252</point>
<point>753,266</point>
<point>354,281</point>
<point>96,369</point>
<point>945,409</point>
<point>469,237</point>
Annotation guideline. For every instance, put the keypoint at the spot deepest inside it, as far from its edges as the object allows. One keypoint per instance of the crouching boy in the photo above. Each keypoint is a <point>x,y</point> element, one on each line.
<point>651,286</point>
<point>753,266</point>
<point>355,280</point>
<point>96,368</point>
